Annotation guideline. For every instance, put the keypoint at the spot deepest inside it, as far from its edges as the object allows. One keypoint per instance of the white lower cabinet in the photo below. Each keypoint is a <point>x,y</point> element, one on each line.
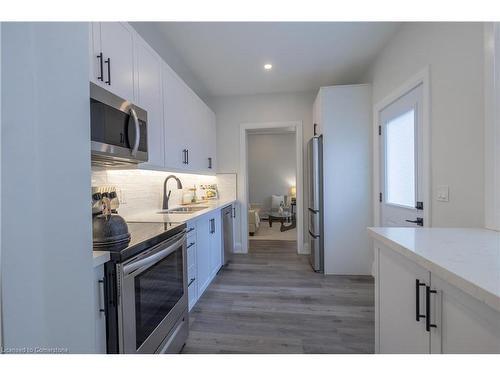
<point>418,312</point>
<point>463,324</point>
<point>99,315</point>
<point>203,254</point>
<point>204,258</point>
<point>399,331</point>
<point>215,244</point>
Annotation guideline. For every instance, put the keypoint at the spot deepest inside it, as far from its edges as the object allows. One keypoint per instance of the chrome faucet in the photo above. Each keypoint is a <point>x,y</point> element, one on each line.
<point>166,196</point>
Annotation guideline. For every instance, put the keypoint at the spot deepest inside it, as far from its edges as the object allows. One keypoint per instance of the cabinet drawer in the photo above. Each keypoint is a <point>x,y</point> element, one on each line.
<point>191,254</point>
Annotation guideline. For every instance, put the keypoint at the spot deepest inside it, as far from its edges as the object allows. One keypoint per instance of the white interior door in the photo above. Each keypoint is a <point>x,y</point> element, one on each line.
<point>401,190</point>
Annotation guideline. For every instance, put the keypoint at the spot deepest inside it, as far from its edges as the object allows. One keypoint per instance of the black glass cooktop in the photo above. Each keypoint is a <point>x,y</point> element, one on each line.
<point>144,236</point>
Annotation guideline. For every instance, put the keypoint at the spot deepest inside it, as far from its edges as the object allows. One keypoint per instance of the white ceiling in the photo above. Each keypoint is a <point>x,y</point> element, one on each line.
<point>228,58</point>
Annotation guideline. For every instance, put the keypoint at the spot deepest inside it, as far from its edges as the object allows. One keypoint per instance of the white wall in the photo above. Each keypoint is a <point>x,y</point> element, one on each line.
<point>454,52</point>
<point>231,111</point>
<point>492,125</point>
<point>271,166</point>
<point>46,238</point>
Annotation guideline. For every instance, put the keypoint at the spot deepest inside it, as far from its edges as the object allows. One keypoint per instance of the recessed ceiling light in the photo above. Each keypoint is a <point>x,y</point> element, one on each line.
<point>268,66</point>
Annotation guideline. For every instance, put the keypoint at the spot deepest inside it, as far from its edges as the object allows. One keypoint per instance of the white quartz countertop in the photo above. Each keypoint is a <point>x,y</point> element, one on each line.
<point>468,258</point>
<point>157,217</point>
<point>100,257</point>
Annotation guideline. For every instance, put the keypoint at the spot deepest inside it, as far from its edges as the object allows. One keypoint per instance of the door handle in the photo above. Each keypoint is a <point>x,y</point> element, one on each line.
<point>428,292</point>
<point>108,61</point>
<point>419,221</point>
<point>313,235</point>
<point>100,77</point>
<point>418,284</point>
<point>209,163</point>
<point>191,281</point>
<point>234,212</point>
<point>187,156</point>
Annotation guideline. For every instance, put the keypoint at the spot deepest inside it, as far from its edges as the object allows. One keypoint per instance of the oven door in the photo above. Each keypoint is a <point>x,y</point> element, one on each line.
<point>153,295</point>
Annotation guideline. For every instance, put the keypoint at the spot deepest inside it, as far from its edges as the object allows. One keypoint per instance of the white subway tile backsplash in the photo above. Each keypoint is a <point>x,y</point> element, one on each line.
<point>142,190</point>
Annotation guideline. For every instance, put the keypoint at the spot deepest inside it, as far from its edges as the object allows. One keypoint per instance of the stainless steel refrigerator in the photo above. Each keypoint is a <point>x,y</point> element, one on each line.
<point>315,208</point>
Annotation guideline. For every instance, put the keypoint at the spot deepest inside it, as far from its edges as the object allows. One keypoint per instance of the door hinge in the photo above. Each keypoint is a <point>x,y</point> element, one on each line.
<point>380,130</point>
<point>380,197</point>
<point>420,206</point>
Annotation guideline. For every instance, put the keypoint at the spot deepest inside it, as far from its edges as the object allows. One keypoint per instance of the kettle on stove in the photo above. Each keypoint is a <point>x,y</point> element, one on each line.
<point>109,230</point>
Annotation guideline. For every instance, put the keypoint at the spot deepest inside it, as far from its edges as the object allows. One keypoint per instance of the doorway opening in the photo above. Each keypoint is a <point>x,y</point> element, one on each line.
<point>271,180</point>
<point>272,187</point>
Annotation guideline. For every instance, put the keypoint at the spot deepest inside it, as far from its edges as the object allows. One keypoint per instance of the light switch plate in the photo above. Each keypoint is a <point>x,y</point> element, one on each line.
<point>443,193</point>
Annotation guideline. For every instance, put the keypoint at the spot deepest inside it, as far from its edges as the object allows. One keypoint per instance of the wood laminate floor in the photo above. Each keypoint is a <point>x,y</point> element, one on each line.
<point>270,301</point>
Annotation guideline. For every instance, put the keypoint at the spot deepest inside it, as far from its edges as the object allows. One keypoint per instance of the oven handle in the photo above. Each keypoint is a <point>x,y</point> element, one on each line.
<point>150,260</point>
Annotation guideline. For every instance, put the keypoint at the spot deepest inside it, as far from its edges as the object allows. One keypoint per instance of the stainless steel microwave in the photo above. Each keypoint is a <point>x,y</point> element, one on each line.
<point>118,129</point>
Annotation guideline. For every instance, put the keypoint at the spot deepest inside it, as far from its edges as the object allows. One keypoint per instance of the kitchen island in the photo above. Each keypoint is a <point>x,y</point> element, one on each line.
<point>437,290</point>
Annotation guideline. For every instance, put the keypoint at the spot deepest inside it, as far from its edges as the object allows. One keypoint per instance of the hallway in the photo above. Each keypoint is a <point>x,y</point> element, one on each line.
<point>269,301</point>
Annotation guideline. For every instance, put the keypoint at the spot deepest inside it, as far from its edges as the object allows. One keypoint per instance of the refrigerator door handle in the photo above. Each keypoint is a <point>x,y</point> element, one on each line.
<point>313,235</point>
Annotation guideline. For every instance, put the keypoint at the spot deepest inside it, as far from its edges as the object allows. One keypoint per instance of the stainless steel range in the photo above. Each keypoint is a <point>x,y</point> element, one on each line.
<point>146,291</point>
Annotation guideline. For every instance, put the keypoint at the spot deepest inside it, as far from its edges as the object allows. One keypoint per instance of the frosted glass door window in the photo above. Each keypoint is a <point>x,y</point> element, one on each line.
<point>400,160</point>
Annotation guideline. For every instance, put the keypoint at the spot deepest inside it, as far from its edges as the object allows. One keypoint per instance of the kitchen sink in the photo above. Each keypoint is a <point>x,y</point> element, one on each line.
<point>183,210</point>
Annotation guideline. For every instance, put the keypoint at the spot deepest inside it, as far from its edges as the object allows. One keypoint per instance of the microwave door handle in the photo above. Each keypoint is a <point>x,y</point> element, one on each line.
<point>137,132</point>
<point>150,260</point>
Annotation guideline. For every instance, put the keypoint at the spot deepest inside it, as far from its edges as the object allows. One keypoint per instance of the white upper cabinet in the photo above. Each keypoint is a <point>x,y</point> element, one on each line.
<point>176,120</point>
<point>150,97</point>
<point>113,56</point>
<point>189,127</point>
<point>181,127</point>
<point>210,146</point>
<point>117,44</point>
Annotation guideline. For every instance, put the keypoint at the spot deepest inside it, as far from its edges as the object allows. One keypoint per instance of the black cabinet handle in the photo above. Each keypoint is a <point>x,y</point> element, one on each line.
<point>191,281</point>
<point>100,77</point>
<point>428,324</point>
<point>190,245</point>
<point>190,230</point>
<point>419,221</point>
<point>418,284</point>
<point>209,163</point>
<point>314,130</point>
<point>187,156</point>
<point>108,62</point>
<point>234,212</point>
